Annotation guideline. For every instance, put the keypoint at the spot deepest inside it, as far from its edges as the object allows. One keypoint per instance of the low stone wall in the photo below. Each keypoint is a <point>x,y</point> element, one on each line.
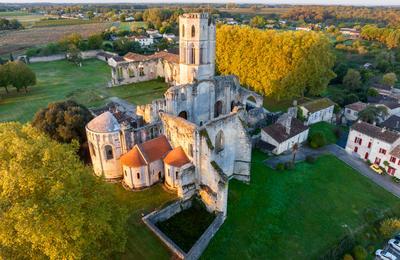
<point>47,58</point>
<point>201,244</point>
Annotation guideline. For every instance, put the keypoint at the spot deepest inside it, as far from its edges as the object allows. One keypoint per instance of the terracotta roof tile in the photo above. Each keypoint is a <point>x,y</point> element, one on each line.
<point>170,57</point>
<point>176,157</point>
<point>133,158</point>
<point>155,149</point>
<point>130,56</point>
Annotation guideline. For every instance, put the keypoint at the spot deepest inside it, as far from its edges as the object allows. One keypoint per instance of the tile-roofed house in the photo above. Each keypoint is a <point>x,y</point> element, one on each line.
<point>382,89</point>
<point>318,110</point>
<point>375,144</point>
<point>130,56</point>
<point>381,98</point>
<point>392,123</point>
<point>133,158</point>
<point>284,133</point>
<point>176,157</point>
<point>351,110</point>
<point>176,164</point>
<point>376,132</point>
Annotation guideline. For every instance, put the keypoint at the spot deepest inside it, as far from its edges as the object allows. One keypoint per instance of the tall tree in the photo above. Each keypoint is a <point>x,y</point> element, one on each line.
<point>389,79</point>
<point>373,114</point>
<point>4,77</point>
<point>352,80</point>
<point>51,206</point>
<point>20,75</point>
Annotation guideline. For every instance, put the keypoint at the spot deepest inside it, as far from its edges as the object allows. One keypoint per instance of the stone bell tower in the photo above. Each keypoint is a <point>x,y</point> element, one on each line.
<point>196,47</point>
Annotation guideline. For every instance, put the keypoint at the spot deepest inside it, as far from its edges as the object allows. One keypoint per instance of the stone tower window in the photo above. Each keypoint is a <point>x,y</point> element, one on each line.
<point>193,31</point>
<point>183,30</point>
<point>138,175</point>
<point>91,148</point>
<point>109,152</point>
<point>190,150</point>
<point>219,141</point>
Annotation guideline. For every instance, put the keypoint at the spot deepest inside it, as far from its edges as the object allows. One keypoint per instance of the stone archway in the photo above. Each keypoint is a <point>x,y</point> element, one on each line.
<point>218,108</point>
<point>250,103</point>
<point>183,114</point>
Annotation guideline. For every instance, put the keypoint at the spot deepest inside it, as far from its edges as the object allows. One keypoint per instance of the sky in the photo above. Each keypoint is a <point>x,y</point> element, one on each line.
<point>324,2</point>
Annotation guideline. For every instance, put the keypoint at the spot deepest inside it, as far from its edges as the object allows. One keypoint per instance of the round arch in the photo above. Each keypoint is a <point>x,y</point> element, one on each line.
<point>218,107</point>
<point>183,114</point>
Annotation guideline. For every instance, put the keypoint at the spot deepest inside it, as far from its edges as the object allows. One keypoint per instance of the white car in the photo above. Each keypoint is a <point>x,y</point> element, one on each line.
<point>395,244</point>
<point>385,255</point>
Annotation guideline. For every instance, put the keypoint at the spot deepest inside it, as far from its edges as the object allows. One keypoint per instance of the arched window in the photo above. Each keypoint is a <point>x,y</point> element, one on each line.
<point>176,175</point>
<point>183,114</point>
<point>193,31</point>
<point>219,141</point>
<point>138,175</point>
<point>141,71</point>
<point>109,152</point>
<point>218,108</point>
<point>183,30</point>
<point>193,58</point>
<point>190,148</point>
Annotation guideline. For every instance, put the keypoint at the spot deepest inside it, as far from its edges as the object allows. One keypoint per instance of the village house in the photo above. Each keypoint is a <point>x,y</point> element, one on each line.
<point>318,110</point>
<point>350,32</point>
<point>144,41</point>
<point>351,111</point>
<point>284,134</point>
<point>392,123</point>
<point>376,145</point>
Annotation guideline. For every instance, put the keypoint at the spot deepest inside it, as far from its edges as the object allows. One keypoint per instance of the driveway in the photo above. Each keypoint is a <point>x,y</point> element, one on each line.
<point>359,165</point>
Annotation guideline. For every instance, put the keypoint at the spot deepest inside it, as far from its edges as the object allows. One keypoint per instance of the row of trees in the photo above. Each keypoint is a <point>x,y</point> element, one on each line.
<point>12,24</point>
<point>16,74</point>
<point>278,64</point>
<point>51,206</point>
<point>388,36</point>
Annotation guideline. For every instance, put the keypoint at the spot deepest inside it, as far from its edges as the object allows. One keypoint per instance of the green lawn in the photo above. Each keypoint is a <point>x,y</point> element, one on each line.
<point>295,214</point>
<point>60,80</point>
<point>142,243</point>
<point>126,26</point>
<point>326,129</point>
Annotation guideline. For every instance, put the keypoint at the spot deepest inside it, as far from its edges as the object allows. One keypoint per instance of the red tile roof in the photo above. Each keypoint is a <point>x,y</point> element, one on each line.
<point>133,158</point>
<point>130,56</point>
<point>155,149</point>
<point>176,157</point>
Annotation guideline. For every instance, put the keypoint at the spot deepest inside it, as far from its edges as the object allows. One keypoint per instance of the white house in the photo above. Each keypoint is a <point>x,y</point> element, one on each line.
<point>351,110</point>
<point>376,144</point>
<point>144,41</point>
<point>318,110</point>
<point>283,134</point>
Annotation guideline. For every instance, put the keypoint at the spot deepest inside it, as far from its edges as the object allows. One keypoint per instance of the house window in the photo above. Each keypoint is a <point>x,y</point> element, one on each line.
<point>358,140</point>
<point>391,170</point>
<point>366,156</point>
<point>382,151</point>
<point>109,152</point>
<point>355,149</point>
<point>141,71</point>
<point>377,160</point>
<point>219,142</point>
<point>369,145</point>
<point>138,175</point>
<point>393,159</point>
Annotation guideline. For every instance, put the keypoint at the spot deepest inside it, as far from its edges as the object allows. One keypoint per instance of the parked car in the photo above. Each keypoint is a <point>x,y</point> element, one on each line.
<point>376,168</point>
<point>385,255</point>
<point>395,244</point>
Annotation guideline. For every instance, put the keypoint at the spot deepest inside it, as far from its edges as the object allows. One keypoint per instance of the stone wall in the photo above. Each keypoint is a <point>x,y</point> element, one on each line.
<point>47,58</point>
<point>201,244</point>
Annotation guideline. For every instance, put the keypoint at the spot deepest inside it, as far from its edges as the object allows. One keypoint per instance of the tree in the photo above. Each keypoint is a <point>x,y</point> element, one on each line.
<point>372,114</point>
<point>390,227</point>
<point>352,80</point>
<point>4,76</point>
<point>372,92</point>
<point>122,17</point>
<point>257,21</point>
<point>123,46</point>
<point>317,140</point>
<point>20,75</point>
<point>74,55</point>
<point>90,15</point>
<point>389,79</point>
<point>138,16</point>
<point>95,41</point>
<point>51,206</point>
<point>260,60</point>
<point>64,122</point>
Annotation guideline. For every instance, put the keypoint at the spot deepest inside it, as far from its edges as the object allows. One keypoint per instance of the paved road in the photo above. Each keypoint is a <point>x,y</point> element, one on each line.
<point>356,163</point>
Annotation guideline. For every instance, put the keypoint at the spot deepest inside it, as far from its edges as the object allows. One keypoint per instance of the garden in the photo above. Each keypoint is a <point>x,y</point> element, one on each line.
<point>280,214</point>
<point>60,80</point>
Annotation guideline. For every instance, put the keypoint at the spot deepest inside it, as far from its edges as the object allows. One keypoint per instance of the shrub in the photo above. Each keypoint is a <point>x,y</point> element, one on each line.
<point>310,159</point>
<point>369,162</point>
<point>360,253</point>
<point>348,257</point>
<point>289,165</point>
<point>389,227</point>
<point>280,167</point>
<point>317,140</point>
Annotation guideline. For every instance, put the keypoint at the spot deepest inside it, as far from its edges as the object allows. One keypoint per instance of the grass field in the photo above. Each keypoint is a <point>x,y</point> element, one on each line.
<point>296,214</point>
<point>142,243</point>
<point>62,22</point>
<point>60,80</point>
<point>326,129</point>
<point>126,26</point>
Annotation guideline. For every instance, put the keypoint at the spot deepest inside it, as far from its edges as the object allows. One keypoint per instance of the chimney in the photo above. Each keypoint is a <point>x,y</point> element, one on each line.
<point>288,124</point>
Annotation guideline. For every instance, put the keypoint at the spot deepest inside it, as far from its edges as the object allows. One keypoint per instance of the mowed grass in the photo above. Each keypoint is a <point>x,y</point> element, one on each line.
<point>61,80</point>
<point>126,26</point>
<point>296,214</point>
<point>326,129</point>
<point>142,243</point>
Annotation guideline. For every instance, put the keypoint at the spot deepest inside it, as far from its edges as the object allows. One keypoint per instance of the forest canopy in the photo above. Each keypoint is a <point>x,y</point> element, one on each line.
<point>278,64</point>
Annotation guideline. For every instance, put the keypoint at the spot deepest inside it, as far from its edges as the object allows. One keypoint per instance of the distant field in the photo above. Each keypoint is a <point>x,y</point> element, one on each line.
<point>126,26</point>
<point>62,80</point>
<point>62,22</point>
<point>264,11</point>
<point>13,13</point>
<point>12,41</point>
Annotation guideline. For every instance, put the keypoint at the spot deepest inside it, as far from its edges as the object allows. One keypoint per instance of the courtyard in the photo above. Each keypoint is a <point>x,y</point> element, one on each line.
<point>60,80</point>
<point>296,214</point>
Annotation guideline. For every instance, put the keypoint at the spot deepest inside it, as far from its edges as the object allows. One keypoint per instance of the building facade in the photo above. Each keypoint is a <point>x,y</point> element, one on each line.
<point>318,110</point>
